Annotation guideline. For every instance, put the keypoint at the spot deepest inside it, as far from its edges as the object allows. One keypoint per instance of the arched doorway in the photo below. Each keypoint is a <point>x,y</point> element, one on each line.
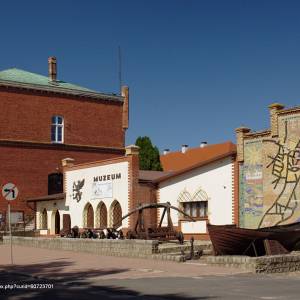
<point>101,216</point>
<point>57,222</point>
<point>88,216</point>
<point>116,214</point>
<point>43,219</point>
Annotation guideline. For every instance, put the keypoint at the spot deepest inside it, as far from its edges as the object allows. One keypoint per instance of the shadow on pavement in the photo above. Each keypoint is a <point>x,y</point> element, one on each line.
<point>16,283</point>
<point>55,270</point>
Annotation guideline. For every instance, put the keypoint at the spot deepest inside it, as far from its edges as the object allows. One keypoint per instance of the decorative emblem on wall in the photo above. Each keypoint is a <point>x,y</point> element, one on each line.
<point>76,189</point>
<point>286,173</point>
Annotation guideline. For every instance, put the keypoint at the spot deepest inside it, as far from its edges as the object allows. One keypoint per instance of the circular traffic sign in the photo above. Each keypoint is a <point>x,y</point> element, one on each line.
<point>10,191</point>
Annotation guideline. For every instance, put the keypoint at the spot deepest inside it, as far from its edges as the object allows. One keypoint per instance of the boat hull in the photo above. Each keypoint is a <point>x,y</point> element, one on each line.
<point>232,240</point>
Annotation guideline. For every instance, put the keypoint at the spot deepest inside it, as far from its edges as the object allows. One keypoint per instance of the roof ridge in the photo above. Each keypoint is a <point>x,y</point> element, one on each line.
<point>21,76</point>
<point>229,143</point>
<point>22,70</point>
<point>179,161</point>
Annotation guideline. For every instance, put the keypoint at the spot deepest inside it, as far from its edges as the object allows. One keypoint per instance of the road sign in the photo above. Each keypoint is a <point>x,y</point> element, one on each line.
<point>10,191</point>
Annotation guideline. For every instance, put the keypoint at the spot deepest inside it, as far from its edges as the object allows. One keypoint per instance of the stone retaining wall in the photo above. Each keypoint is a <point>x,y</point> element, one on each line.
<point>128,248</point>
<point>263,264</point>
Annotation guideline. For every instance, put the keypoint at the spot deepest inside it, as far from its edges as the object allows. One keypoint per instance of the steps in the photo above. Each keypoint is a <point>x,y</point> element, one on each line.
<point>173,251</point>
<point>29,226</point>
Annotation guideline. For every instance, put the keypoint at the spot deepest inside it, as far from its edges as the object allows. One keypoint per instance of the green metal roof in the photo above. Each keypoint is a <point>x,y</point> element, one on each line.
<point>24,79</point>
<point>22,76</point>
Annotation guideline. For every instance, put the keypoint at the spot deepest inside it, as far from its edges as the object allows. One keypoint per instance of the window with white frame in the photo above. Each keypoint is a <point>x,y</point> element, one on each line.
<point>57,129</point>
<point>197,209</point>
<point>195,205</point>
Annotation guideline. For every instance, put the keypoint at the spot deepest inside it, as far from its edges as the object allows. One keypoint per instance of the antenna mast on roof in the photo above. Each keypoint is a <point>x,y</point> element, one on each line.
<point>120,68</point>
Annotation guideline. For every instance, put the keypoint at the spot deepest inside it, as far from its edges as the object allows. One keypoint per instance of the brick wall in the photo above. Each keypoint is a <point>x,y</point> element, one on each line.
<point>27,116</point>
<point>147,195</point>
<point>28,168</point>
<point>26,153</point>
<point>133,179</point>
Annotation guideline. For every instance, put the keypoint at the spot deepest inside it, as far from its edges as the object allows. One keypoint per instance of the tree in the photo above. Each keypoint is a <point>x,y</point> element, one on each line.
<point>149,154</point>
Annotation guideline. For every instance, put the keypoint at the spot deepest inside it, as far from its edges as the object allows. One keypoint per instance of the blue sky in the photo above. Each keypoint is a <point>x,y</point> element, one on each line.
<point>196,69</point>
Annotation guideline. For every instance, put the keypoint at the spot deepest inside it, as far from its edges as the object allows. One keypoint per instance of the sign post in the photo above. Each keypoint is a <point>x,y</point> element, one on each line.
<point>10,193</point>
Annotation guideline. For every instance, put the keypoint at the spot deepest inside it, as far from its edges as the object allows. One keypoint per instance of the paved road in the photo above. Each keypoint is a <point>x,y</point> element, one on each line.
<point>86,276</point>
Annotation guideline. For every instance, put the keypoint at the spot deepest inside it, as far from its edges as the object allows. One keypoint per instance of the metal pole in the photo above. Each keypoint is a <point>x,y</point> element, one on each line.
<point>10,234</point>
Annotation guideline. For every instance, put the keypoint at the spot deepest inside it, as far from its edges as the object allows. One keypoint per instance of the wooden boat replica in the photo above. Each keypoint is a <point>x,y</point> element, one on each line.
<point>232,240</point>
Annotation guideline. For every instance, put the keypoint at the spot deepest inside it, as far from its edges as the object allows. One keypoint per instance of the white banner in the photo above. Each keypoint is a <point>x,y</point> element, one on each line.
<point>102,190</point>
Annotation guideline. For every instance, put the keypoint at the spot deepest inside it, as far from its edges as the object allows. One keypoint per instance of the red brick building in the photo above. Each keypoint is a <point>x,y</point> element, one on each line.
<point>44,120</point>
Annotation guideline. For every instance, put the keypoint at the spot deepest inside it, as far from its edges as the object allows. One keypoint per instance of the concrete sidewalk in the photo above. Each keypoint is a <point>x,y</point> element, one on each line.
<point>53,264</point>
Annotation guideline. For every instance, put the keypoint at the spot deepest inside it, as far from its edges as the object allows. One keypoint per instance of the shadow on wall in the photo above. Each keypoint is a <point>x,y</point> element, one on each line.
<point>68,285</point>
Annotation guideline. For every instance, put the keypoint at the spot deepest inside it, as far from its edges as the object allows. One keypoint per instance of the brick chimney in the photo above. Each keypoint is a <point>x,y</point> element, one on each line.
<point>166,151</point>
<point>125,114</point>
<point>184,148</point>
<point>52,68</point>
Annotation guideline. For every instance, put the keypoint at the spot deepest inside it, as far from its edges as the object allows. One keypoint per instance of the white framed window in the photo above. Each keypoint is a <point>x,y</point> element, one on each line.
<point>195,205</point>
<point>57,129</point>
<point>197,209</point>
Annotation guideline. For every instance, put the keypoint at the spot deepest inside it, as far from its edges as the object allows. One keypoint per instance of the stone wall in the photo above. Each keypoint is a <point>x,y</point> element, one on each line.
<point>263,264</point>
<point>127,248</point>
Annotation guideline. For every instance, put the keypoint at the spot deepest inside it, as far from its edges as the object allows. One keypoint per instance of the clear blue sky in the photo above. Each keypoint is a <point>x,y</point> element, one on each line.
<point>196,69</point>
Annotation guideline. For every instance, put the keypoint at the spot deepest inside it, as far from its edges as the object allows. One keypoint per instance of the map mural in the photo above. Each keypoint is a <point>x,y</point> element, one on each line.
<point>270,177</point>
<point>282,175</point>
<point>251,188</point>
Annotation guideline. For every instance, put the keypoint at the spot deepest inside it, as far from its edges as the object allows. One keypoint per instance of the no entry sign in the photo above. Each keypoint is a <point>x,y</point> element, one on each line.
<point>10,191</point>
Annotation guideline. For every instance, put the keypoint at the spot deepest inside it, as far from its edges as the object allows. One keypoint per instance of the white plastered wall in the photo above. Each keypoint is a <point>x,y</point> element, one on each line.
<point>74,208</point>
<point>51,207</point>
<point>119,191</point>
<point>216,180</point>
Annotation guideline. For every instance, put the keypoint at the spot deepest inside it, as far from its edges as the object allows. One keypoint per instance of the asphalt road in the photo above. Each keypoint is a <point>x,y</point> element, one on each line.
<point>243,286</point>
<point>51,274</point>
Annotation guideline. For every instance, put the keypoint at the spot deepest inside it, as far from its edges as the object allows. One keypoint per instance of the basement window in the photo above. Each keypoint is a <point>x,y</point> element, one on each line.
<point>57,129</point>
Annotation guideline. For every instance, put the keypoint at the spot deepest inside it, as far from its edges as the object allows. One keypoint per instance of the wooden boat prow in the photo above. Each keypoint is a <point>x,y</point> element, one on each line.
<point>233,240</point>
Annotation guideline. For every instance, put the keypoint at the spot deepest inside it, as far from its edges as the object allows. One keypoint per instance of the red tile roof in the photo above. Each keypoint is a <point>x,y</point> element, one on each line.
<point>178,161</point>
<point>145,175</point>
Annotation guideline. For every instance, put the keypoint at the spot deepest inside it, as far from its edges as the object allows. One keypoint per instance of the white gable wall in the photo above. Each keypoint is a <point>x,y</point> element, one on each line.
<point>119,190</point>
<point>216,179</point>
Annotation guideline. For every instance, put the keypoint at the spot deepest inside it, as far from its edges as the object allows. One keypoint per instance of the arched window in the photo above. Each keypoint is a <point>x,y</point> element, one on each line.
<point>195,205</point>
<point>57,129</point>
<point>101,216</point>
<point>55,183</point>
<point>43,219</point>
<point>88,216</point>
<point>116,214</point>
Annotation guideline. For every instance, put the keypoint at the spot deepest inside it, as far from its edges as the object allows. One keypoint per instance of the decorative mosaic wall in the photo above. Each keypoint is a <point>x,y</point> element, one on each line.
<point>251,184</point>
<point>270,175</point>
<point>282,174</point>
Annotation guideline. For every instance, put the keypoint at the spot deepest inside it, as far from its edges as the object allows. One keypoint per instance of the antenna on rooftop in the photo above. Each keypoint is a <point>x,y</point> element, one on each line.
<point>120,68</point>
